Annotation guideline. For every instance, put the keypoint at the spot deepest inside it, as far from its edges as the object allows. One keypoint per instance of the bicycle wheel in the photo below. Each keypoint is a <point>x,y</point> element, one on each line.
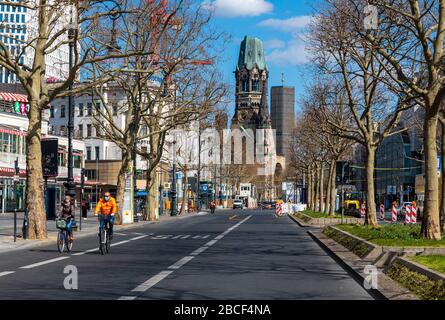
<point>108,243</point>
<point>61,241</point>
<point>101,241</point>
<point>69,244</point>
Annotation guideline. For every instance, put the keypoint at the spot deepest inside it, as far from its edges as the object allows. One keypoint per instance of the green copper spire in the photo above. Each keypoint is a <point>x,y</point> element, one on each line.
<point>251,54</point>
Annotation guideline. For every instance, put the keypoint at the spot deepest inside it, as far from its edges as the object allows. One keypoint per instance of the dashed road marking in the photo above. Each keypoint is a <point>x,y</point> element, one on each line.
<point>38,264</point>
<point>178,264</point>
<point>5,273</point>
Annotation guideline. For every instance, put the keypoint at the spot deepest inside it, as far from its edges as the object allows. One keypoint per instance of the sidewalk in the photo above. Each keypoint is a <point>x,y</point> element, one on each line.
<point>89,227</point>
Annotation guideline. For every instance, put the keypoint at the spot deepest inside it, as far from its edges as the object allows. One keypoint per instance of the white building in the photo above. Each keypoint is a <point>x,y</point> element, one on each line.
<point>17,26</point>
<point>13,130</point>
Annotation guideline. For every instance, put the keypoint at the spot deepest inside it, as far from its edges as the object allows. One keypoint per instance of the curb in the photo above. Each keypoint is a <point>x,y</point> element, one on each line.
<point>300,223</point>
<point>352,264</point>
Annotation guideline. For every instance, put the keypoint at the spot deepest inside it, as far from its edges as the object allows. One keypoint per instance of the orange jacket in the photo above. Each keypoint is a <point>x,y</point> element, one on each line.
<point>106,207</point>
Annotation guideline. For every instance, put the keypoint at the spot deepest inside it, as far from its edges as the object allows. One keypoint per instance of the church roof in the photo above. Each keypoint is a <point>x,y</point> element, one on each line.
<point>252,53</point>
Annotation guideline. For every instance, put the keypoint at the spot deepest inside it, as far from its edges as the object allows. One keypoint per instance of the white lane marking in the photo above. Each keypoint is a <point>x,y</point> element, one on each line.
<point>180,263</point>
<point>120,234</point>
<point>127,298</point>
<point>119,243</point>
<point>137,233</point>
<point>152,281</point>
<point>87,251</point>
<point>220,237</point>
<point>201,237</point>
<point>210,243</point>
<point>199,251</point>
<point>137,238</point>
<point>38,264</point>
<point>5,273</point>
<point>163,274</point>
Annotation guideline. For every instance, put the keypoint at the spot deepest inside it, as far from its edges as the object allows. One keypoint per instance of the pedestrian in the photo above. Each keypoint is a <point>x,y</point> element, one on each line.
<point>84,209</point>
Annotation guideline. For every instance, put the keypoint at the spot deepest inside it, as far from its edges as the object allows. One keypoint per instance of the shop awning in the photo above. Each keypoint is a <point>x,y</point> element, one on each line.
<point>11,131</point>
<point>9,96</point>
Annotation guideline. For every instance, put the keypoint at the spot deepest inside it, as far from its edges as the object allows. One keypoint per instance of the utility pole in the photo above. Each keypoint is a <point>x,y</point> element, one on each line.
<point>70,187</point>
<point>198,189</point>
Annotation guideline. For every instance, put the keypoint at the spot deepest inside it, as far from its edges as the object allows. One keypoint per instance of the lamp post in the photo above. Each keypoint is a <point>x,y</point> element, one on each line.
<point>70,186</point>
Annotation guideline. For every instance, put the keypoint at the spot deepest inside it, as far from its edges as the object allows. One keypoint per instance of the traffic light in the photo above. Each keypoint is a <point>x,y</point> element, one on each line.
<point>16,167</point>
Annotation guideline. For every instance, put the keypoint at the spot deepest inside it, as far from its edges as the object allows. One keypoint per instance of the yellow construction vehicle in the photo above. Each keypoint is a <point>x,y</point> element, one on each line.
<point>352,204</point>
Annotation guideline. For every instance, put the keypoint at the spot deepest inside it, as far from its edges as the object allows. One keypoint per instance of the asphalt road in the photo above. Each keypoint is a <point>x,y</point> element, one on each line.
<point>235,255</point>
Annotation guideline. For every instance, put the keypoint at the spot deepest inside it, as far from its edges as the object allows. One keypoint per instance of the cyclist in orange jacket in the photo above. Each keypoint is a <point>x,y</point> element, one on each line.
<point>106,209</point>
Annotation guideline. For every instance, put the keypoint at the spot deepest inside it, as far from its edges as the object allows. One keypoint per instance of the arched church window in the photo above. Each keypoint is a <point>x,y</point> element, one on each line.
<point>245,85</point>
<point>256,85</point>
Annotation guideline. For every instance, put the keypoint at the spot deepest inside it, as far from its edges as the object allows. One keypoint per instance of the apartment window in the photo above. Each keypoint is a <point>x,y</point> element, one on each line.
<point>81,109</point>
<point>88,130</point>
<point>51,112</point>
<point>114,110</point>
<point>97,152</point>
<point>62,111</point>
<point>62,130</point>
<point>90,108</point>
<point>97,105</point>
<point>80,130</point>
<point>88,153</point>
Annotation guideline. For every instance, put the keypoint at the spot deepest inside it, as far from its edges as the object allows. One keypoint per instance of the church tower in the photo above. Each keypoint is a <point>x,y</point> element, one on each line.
<point>251,98</point>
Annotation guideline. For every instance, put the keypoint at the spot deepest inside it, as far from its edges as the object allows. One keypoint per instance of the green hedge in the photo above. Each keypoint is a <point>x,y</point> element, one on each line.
<point>424,287</point>
<point>357,247</point>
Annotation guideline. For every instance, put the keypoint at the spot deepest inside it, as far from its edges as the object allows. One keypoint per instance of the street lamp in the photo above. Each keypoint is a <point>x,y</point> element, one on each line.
<point>70,186</point>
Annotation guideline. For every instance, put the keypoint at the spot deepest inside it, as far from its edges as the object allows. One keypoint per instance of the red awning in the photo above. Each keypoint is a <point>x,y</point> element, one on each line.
<point>14,132</point>
<point>9,96</point>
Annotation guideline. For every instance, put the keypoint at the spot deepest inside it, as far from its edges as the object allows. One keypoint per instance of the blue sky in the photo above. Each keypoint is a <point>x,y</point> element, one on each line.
<point>280,24</point>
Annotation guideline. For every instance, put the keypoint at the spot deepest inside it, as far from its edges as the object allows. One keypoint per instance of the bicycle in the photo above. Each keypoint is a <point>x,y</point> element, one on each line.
<point>63,240</point>
<point>104,237</point>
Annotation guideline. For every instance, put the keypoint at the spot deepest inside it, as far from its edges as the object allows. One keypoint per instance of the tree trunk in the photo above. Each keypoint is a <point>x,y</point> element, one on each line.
<point>431,219</point>
<point>34,177</point>
<point>332,193</point>
<point>322,199</point>
<point>442,175</point>
<point>309,189</point>
<point>313,188</point>
<point>184,193</point>
<point>317,189</point>
<point>371,217</point>
<point>327,207</point>
<point>151,187</point>
<point>120,189</point>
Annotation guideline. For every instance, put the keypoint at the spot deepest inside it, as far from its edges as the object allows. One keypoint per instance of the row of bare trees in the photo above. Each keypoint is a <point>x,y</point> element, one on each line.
<point>375,60</point>
<point>156,52</point>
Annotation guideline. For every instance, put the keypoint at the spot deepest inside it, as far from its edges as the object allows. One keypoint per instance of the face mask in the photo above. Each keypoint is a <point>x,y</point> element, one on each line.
<point>107,198</point>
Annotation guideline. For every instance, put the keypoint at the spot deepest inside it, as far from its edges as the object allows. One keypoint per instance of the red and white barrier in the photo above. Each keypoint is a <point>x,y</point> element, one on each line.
<point>382,212</point>
<point>394,213</point>
<point>408,214</point>
<point>414,214</point>
<point>363,210</point>
<point>278,209</point>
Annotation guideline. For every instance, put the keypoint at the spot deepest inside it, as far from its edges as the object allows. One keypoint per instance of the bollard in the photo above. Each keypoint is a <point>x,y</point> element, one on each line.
<point>394,213</point>
<point>408,214</point>
<point>25,225</point>
<point>15,225</point>
<point>382,212</point>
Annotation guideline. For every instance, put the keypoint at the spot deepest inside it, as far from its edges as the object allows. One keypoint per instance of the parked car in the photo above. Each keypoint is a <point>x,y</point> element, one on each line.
<point>238,204</point>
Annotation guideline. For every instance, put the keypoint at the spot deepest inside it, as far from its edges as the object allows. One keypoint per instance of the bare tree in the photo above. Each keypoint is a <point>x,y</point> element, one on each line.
<point>346,58</point>
<point>54,26</point>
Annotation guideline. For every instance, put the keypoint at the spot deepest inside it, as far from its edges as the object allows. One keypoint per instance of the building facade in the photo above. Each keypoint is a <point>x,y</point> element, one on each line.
<point>19,25</point>
<point>282,110</point>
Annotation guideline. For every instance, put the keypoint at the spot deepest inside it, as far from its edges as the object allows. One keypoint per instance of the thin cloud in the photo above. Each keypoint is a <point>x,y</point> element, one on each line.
<point>238,8</point>
<point>287,25</point>
<point>293,54</point>
<point>274,44</point>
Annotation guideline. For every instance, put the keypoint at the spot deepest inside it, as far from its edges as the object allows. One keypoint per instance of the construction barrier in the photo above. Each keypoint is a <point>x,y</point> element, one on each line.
<point>394,213</point>
<point>382,212</point>
<point>414,214</point>
<point>363,210</point>
<point>408,214</point>
<point>278,209</point>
